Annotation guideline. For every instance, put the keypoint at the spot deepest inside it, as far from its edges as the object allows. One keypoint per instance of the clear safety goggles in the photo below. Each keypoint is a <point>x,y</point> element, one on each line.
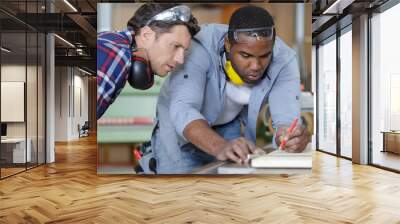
<point>180,12</point>
<point>253,34</point>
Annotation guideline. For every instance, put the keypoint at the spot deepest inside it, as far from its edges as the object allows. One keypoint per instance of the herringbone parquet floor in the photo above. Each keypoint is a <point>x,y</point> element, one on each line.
<point>70,191</point>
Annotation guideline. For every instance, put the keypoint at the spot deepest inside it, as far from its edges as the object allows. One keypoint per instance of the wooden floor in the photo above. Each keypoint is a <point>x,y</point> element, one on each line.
<point>70,191</point>
<point>5,172</point>
<point>8,171</point>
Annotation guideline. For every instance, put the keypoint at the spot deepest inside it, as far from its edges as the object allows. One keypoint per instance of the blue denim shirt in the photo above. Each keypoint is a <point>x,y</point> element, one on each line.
<point>196,91</point>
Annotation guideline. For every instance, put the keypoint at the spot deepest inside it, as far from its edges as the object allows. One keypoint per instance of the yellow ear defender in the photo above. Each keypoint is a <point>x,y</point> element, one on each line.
<point>232,74</point>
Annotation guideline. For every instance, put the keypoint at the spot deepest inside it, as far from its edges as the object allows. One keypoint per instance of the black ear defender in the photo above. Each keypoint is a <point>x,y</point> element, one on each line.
<point>141,75</point>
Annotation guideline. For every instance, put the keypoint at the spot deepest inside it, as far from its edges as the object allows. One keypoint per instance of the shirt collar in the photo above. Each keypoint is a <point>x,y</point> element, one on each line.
<point>129,33</point>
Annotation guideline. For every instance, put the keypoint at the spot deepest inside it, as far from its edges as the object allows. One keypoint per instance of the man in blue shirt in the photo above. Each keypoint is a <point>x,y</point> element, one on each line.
<point>229,74</point>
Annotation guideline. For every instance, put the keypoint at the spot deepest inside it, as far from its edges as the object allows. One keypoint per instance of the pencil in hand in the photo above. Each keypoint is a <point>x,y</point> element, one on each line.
<point>288,132</point>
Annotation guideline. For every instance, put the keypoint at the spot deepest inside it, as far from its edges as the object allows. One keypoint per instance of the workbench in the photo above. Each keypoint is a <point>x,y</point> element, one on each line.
<point>391,141</point>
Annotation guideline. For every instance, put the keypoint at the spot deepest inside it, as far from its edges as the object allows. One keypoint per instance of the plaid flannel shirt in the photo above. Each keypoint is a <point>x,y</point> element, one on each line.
<point>113,66</point>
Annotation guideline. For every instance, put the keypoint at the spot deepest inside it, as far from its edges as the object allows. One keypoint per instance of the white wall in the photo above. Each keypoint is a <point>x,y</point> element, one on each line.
<point>70,83</point>
<point>61,103</point>
<point>13,72</point>
<point>17,73</point>
<point>104,20</point>
<point>80,89</point>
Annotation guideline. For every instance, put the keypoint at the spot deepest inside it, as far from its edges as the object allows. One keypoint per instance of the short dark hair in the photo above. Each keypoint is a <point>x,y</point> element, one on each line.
<point>249,17</point>
<point>148,10</point>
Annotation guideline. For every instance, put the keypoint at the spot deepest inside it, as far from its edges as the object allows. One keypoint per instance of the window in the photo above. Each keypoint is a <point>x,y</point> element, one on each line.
<point>22,74</point>
<point>346,93</point>
<point>385,88</point>
<point>327,96</point>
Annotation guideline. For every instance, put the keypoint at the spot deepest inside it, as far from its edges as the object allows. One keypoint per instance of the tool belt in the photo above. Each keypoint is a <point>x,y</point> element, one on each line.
<point>147,162</point>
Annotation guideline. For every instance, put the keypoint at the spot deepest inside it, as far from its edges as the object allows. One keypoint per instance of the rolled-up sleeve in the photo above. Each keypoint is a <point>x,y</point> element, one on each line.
<point>187,88</point>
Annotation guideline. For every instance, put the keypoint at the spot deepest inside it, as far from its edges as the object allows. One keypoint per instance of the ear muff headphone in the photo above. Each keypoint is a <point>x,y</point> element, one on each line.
<point>141,75</point>
<point>233,76</point>
<point>230,72</point>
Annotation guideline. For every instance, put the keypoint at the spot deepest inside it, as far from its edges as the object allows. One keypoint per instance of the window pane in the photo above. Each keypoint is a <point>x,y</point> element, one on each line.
<point>31,97</point>
<point>327,97</point>
<point>385,88</point>
<point>41,98</point>
<point>13,86</point>
<point>346,94</point>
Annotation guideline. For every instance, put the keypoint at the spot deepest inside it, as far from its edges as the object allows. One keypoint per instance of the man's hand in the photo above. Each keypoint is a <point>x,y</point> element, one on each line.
<point>200,134</point>
<point>296,142</point>
<point>236,150</point>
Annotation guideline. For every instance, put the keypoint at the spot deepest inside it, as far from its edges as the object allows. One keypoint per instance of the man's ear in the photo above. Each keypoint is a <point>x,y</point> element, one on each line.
<point>147,34</point>
<point>227,45</point>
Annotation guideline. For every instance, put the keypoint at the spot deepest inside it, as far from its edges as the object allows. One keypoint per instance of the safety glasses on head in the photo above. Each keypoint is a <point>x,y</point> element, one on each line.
<point>253,34</point>
<point>180,12</point>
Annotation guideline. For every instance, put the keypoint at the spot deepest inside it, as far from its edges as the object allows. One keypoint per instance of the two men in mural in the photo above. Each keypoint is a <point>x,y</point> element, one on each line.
<point>208,106</point>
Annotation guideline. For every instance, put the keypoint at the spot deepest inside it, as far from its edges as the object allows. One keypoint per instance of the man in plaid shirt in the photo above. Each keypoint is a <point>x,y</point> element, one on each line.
<point>158,33</point>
